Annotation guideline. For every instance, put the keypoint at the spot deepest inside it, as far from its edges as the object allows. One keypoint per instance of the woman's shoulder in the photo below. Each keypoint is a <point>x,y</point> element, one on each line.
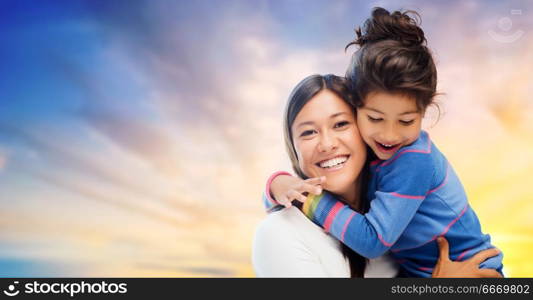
<point>288,233</point>
<point>285,223</point>
<point>288,244</point>
<point>290,228</point>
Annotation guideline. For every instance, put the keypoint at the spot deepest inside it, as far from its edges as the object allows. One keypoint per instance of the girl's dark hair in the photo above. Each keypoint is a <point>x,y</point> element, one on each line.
<point>392,58</point>
<point>301,95</point>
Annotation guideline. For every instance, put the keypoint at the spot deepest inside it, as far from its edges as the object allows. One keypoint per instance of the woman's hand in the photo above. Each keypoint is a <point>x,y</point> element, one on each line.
<point>285,188</point>
<point>469,268</point>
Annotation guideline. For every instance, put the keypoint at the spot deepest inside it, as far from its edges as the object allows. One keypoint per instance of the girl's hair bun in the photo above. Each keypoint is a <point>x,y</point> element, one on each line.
<point>393,57</point>
<point>382,25</point>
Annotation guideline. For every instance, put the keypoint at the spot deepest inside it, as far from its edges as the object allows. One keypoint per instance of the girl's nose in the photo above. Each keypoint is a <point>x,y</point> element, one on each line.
<point>390,136</point>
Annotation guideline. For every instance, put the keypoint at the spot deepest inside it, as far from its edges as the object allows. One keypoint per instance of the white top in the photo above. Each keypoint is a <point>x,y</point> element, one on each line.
<point>287,244</point>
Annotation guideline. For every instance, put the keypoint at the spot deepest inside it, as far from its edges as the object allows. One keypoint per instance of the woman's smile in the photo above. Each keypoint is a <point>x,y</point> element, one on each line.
<point>333,164</point>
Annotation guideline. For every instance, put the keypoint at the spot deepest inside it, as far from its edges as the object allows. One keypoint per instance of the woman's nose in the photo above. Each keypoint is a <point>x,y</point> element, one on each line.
<point>327,143</point>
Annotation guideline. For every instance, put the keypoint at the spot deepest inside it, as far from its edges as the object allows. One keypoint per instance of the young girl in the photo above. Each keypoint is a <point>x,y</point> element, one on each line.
<point>417,197</point>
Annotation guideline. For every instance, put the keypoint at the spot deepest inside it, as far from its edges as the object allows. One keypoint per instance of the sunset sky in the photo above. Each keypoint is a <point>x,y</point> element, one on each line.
<point>136,136</point>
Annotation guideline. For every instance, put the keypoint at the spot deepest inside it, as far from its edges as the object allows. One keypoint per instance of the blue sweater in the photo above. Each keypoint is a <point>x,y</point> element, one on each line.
<point>417,197</point>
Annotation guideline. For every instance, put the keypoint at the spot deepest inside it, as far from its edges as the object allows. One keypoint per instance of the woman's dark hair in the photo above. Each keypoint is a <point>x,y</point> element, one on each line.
<point>392,58</point>
<point>301,95</point>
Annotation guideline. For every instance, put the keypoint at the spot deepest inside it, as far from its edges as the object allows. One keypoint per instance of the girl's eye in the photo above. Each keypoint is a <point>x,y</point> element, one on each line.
<point>341,124</point>
<point>407,123</point>
<point>374,120</point>
<point>307,133</point>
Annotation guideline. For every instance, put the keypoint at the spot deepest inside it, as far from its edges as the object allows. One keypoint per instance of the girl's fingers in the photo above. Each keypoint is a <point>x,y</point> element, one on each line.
<point>316,180</point>
<point>309,188</point>
<point>295,195</point>
<point>313,181</point>
<point>285,202</point>
<point>484,255</point>
<point>489,273</point>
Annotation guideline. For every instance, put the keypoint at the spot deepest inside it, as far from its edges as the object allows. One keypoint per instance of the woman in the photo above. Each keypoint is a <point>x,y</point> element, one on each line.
<point>322,139</point>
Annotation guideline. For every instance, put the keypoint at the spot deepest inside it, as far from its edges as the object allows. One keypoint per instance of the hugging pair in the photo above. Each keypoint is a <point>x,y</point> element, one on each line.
<point>382,194</point>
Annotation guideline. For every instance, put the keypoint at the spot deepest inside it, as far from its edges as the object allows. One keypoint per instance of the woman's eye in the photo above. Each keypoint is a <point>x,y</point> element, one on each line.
<point>374,120</point>
<point>341,124</point>
<point>406,123</point>
<point>307,133</point>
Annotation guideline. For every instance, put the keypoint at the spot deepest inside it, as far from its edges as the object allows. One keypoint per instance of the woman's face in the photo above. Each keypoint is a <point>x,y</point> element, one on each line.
<point>328,143</point>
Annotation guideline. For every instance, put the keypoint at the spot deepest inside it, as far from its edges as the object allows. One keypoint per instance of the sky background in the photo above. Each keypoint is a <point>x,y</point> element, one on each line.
<point>136,136</point>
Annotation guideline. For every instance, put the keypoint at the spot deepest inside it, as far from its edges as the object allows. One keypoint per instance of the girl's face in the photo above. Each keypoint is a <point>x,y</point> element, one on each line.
<point>328,143</point>
<point>389,121</point>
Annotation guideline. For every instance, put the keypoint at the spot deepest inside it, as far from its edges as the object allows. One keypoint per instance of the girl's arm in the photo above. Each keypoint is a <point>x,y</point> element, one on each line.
<point>373,233</point>
<point>402,190</point>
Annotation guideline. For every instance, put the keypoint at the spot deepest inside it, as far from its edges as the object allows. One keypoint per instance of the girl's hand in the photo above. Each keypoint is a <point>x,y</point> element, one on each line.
<point>285,188</point>
<point>469,268</point>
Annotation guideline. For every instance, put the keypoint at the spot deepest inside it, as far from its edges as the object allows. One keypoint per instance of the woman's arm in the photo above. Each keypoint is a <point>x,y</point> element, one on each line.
<point>446,268</point>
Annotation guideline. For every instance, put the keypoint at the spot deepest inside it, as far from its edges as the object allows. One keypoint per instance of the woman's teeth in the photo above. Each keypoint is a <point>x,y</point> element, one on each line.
<point>333,162</point>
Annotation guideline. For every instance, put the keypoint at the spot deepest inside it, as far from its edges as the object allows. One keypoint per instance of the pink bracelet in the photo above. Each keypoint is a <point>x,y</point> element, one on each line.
<point>269,182</point>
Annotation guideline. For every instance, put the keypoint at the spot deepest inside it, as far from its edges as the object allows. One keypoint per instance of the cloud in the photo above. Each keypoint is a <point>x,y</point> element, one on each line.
<point>3,161</point>
<point>204,105</point>
<point>180,270</point>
